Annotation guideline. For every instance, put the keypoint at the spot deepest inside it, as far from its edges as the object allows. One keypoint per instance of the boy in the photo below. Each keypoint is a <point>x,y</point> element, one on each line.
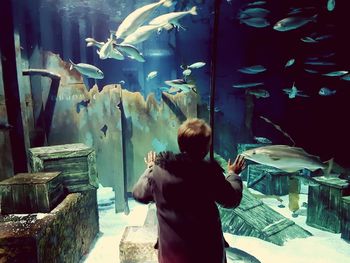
<point>185,189</point>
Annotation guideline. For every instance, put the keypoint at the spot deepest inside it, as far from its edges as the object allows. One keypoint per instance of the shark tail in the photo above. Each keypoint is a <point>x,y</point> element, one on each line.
<point>193,11</point>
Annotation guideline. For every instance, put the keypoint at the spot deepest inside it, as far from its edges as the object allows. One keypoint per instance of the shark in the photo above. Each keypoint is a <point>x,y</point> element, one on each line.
<point>287,158</point>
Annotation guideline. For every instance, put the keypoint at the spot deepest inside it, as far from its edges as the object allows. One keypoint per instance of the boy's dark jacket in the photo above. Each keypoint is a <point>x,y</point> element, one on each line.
<point>185,192</point>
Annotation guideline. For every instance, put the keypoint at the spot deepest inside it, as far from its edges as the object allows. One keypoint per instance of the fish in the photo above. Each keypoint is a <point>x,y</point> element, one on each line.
<point>298,10</point>
<point>140,35</point>
<point>294,92</point>
<point>181,84</point>
<point>87,70</point>
<point>114,53</point>
<point>326,92</point>
<point>320,63</point>
<point>294,22</point>
<point>289,63</point>
<point>138,17</point>
<point>330,5</point>
<point>132,51</point>
<point>256,3</point>
<point>83,103</point>
<point>92,42</point>
<point>197,65</point>
<point>247,85</point>
<point>106,49</point>
<point>172,18</point>
<point>259,93</point>
<point>186,72</point>
<point>104,129</point>
<point>152,75</point>
<point>253,12</point>
<point>336,73</point>
<point>311,71</point>
<point>287,158</point>
<point>346,77</point>
<point>262,140</point>
<point>258,22</point>
<point>323,37</point>
<point>252,69</point>
<point>308,40</point>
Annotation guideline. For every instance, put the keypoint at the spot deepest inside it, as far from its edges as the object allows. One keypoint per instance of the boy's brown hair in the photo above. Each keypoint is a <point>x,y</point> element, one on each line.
<point>194,137</point>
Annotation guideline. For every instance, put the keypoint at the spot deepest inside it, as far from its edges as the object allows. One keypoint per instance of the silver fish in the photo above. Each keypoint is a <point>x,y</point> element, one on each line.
<point>106,49</point>
<point>308,40</point>
<point>262,140</point>
<point>197,65</point>
<point>284,157</point>
<point>152,75</point>
<point>326,92</point>
<point>135,19</point>
<point>247,85</point>
<point>336,73</point>
<point>256,3</point>
<point>294,92</point>
<point>181,84</point>
<point>330,5</point>
<point>132,51</point>
<point>172,18</point>
<point>253,12</point>
<point>141,34</point>
<point>289,63</point>
<point>320,63</point>
<point>186,72</point>
<point>259,93</point>
<point>311,71</point>
<point>294,22</point>
<point>258,22</point>
<point>87,70</point>
<point>346,77</point>
<point>252,69</point>
<point>114,53</point>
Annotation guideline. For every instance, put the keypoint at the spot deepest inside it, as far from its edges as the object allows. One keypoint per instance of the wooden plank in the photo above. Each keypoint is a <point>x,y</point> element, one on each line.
<point>61,151</point>
<point>6,199</point>
<point>31,193</point>
<point>277,226</point>
<point>77,162</point>
<point>6,163</point>
<point>345,218</point>
<point>11,67</point>
<point>332,181</point>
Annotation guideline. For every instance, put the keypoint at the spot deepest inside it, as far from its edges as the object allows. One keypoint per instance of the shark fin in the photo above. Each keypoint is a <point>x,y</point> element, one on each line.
<point>330,163</point>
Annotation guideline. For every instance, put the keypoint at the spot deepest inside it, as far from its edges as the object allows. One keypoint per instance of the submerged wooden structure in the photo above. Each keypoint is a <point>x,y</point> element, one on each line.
<point>345,223</point>
<point>31,193</point>
<point>267,180</point>
<point>325,203</point>
<point>256,219</point>
<point>62,235</point>
<point>40,222</point>
<point>76,161</point>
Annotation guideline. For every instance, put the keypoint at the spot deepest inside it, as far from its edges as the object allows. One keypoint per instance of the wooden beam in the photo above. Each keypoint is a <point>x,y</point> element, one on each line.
<point>11,64</point>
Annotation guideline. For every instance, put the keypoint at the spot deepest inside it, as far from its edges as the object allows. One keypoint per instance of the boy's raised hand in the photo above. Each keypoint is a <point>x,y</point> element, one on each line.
<point>237,166</point>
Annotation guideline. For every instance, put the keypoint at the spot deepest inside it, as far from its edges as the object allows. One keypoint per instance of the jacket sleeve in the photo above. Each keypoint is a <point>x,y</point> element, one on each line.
<point>142,191</point>
<point>228,191</point>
